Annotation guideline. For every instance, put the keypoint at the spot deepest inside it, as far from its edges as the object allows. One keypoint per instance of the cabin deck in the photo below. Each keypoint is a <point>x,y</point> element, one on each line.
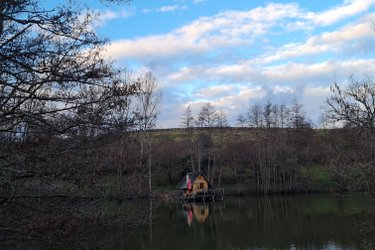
<point>209,195</point>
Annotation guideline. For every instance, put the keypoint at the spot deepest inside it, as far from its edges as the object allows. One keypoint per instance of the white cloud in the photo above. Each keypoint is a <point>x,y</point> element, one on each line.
<point>199,1</point>
<point>215,92</point>
<point>347,9</point>
<point>317,73</point>
<point>108,15</point>
<point>278,76</point>
<point>334,41</point>
<point>316,91</point>
<point>168,8</point>
<point>226,29</point>
<point>127,13</point>
<point>282,89</point>
<point>239,28</point>
<point>102,17</point>
<point>236,99</point>
<point>299,25</point>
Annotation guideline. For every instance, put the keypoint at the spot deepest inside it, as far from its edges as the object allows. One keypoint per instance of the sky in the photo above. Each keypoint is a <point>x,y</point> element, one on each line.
<point>237,53</point>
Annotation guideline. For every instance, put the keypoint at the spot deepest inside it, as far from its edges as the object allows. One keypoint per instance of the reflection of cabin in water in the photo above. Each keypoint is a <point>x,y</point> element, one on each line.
<point>201,212</point>
<point>198,211</point>
<point>195,186</point>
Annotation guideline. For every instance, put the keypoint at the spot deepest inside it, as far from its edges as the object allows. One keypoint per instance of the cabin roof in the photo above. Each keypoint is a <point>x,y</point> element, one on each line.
<point>193,176</point>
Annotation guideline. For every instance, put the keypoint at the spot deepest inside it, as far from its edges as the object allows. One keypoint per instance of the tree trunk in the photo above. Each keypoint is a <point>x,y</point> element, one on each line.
<point>219,178</point>
<point>119,170</point>
<point>213,170</point>
<point>192,163</point>
<point>150,166</point>
<point>141,152</point>
<point>209,168</point>
<point>191,151</point>
<point>150,222</point>
<point>199,157</point>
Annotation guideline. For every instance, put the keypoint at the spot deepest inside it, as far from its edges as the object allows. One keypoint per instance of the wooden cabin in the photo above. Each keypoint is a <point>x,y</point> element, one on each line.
<point>195,186</point>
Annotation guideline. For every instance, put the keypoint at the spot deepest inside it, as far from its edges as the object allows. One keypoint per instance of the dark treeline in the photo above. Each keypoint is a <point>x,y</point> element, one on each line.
<point>100,146</point>
<point>268,153</point>
<point>275,116</point>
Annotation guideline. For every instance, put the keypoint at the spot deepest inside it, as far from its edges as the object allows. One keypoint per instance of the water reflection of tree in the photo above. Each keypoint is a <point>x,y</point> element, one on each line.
<point>277,221</point>
<point>273,222</point>
<point>364,227</point>
<point>75,223</point>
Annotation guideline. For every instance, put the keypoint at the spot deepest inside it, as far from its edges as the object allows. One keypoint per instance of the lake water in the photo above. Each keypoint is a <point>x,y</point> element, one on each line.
<point>320,221</point>
<point>317,221</point>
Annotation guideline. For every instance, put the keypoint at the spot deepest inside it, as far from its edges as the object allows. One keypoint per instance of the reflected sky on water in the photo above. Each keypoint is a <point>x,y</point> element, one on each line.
<point>316,221</point>
<point>320,221</point>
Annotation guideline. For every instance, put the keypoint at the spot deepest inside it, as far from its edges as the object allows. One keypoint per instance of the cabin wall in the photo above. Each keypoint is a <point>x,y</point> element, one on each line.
<point>199,185</point>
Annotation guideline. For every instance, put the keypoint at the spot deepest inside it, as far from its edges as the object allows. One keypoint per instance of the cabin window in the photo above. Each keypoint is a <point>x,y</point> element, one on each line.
<point>201,185</point>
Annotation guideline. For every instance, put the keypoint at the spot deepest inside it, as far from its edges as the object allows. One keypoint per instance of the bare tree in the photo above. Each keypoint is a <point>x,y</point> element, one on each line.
<point>254,116</point>
<point>43,63</point>
<point>207,117</point>
<point>222,126</point>
<point>283,116</point>
<point>297,117</point>
<point>187,121</point>
<point>146,113</point>
<point>354,106</point>
<point>241,120</point>
<point>55,87</point>
<point>221,120</point>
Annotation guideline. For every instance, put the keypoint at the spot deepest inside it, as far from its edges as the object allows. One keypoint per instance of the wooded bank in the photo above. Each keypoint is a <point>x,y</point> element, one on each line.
<point>244,160</point>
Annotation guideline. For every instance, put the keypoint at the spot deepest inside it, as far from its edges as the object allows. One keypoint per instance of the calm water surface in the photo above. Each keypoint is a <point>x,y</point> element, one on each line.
<point>319,221</point>
<point>276,222</point>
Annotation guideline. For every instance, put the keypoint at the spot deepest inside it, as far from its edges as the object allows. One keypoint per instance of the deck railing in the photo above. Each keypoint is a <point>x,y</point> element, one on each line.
<point>207,195</point>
